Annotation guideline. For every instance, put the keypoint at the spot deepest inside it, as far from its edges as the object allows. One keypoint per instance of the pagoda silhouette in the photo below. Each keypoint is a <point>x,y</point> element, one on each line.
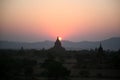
<point>57,46</point>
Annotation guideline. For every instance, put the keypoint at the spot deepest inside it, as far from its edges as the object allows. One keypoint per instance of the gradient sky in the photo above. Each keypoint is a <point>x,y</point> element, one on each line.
<point>74,20</point>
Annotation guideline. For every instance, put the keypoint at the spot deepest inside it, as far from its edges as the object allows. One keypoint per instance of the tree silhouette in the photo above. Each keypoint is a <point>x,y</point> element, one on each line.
<point>54,70</point>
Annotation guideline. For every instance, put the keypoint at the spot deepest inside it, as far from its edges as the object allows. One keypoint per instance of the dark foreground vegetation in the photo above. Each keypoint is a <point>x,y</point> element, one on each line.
<point>68,65</point>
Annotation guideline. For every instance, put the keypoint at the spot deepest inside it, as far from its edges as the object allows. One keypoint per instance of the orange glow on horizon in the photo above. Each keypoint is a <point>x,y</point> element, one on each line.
<point>38,20</point>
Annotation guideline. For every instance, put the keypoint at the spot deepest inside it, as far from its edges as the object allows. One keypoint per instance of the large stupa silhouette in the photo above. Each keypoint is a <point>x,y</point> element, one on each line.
<point>57,46</point>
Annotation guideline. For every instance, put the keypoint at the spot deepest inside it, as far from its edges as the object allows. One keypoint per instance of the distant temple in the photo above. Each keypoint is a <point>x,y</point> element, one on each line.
<point>100,49</point>
<point>57,46</point>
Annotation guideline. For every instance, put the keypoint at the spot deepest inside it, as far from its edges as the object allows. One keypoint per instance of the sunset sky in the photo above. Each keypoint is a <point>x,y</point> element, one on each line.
<point>74,20</point>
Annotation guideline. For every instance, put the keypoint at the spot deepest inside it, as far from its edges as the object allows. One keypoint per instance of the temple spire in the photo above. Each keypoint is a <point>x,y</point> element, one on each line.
<point>57,48</point>
<point>100,49</point>
<point>57,43</point>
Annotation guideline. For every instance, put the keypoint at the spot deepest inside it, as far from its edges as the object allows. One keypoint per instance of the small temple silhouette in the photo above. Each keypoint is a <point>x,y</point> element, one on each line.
<point>57,46</point>
<point>100,49</point>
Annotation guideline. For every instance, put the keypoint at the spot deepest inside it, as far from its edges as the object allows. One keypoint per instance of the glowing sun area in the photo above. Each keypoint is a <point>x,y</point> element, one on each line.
<point>60,38</point>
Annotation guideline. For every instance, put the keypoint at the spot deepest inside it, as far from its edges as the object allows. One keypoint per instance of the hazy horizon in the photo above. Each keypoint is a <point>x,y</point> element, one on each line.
<point>61,40</point>
<point>73,20</point>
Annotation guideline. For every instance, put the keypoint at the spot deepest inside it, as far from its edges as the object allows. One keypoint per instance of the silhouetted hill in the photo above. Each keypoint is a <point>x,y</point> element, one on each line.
<point>112,44</point>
